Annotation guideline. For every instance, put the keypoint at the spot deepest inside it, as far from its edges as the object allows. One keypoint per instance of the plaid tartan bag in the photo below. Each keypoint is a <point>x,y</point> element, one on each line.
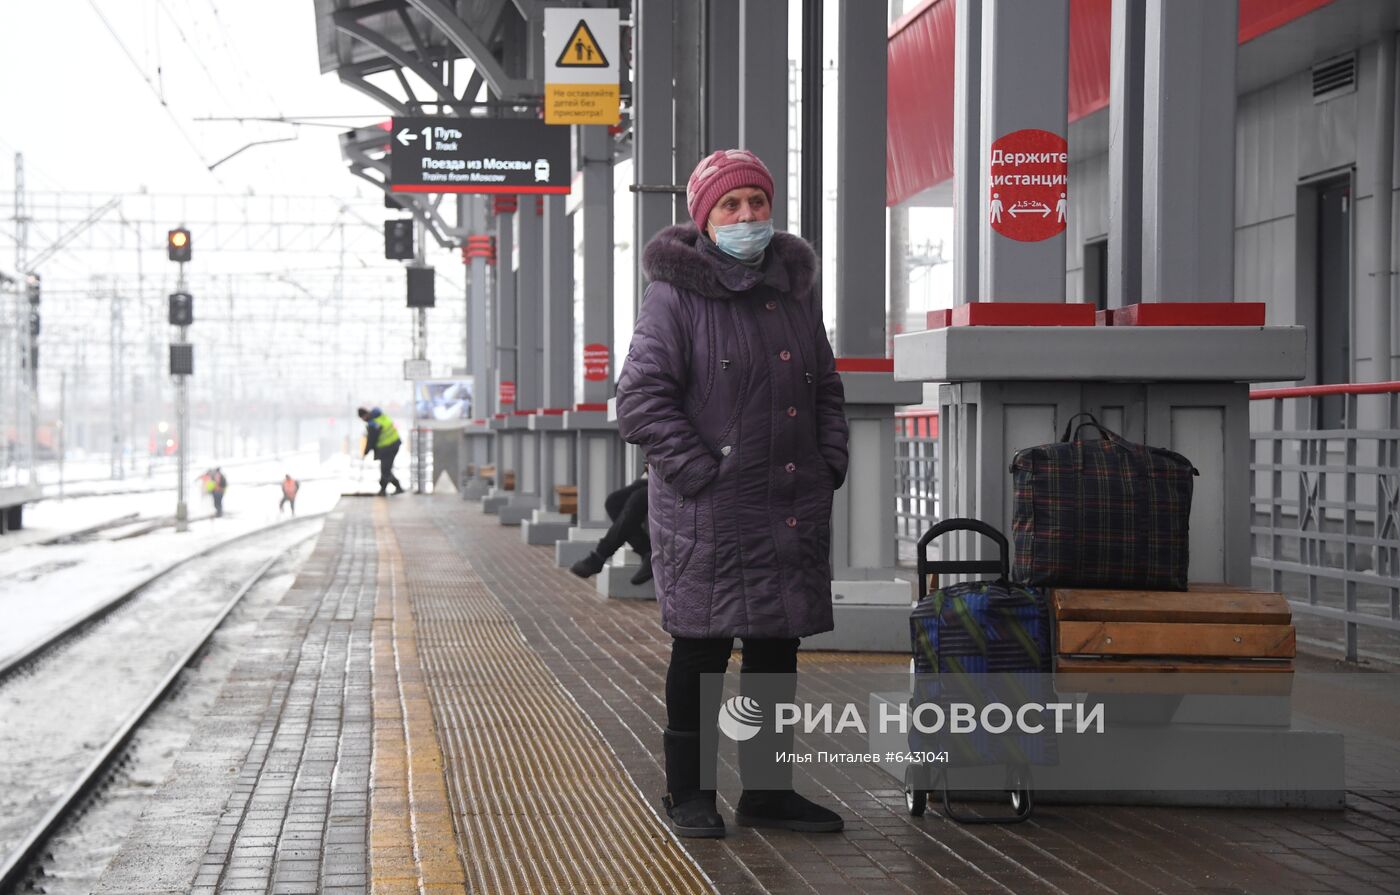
<point>1101,513</point>
<point>980,642</point>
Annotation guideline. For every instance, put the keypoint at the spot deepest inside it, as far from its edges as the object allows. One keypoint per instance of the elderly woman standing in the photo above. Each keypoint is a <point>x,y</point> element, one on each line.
<point>731,389</point>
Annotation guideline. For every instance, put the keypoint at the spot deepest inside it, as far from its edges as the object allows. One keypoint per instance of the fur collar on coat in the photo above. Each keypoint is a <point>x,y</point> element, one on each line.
<point>684,258</point>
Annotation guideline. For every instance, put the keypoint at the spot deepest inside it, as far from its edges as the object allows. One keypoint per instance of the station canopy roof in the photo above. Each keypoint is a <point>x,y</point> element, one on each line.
<point>356,38</point>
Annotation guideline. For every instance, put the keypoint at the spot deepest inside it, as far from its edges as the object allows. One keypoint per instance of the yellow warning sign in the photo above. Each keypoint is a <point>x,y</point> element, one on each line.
<point>582,104</point>
<point>582,50</point>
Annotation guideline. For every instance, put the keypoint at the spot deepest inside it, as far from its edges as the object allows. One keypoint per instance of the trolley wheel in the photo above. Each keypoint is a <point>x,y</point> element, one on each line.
<point>1018,788</point>
<point>915,799</point>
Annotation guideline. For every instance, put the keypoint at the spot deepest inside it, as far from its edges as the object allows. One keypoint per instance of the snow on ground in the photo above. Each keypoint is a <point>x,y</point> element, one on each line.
<point>43,588</point>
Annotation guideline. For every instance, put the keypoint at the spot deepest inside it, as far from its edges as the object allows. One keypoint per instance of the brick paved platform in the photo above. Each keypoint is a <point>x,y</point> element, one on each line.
<point>436,707</point>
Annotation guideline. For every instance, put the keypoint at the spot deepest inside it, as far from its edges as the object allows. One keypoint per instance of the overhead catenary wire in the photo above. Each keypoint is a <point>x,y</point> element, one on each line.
<point>155,89</point>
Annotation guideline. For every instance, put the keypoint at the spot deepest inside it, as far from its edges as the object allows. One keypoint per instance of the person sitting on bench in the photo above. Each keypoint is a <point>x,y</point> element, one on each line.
<point>627,508</point>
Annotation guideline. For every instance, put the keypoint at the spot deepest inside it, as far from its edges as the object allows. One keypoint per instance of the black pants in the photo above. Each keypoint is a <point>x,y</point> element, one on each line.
<point>218,503</point>
<point>287,500</point>
<point>627,508</point>
<point>691,658</point>
<point>385,456</point>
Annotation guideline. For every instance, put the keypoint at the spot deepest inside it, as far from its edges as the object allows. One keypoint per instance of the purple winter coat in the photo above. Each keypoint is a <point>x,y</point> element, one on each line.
<point>731,389</point>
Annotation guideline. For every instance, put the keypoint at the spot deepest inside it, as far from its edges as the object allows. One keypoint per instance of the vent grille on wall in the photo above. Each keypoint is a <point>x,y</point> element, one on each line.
<point>1334,77</point>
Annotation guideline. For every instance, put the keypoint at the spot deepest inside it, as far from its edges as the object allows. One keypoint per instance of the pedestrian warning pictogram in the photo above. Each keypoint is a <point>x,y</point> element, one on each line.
<point>582,50</point>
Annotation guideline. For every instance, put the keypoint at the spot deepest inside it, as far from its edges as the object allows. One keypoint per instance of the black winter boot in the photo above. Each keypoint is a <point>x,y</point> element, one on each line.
<point>691,809</point>
<point>785,810</point>
<point>589,566</point>
<point>775,805</point>
<point>644,573</point>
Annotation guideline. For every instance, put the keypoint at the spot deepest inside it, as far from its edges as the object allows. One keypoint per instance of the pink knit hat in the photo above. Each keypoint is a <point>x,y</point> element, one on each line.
<point>720,172</point>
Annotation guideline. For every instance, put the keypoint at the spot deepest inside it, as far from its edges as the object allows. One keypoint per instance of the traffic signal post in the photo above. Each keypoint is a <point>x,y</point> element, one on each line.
<point>181,365</point>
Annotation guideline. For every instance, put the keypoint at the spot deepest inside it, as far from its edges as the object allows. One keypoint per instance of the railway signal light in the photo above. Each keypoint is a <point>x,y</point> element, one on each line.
<point>420,287</point>
<point>177,244</point>
<point>181,359</point>
<point>32,286</point>
<point>181,309</point>
<point>34,322</point>
<point>398,239</point>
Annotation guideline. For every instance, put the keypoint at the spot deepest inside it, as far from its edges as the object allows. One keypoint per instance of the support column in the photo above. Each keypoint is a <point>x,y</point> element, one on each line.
<point>860,182</point>
<point>1025,85</point>
<point>656,135</point>
<point>477,255</point>
<point>504,306</point>
<point>547,525</point>
<point>869,597</point>
<point>967,150</point>
<point>721,82</point>
<point>595,157</point>
<point>1382,230</point>
<point>559,349</point>
<point>688,116</point>
<point>1188,160</point>
<point>529,386</point>
<point>763,101</point>
<point>506,351</point>
<point>1125,154</point>
<point>529,224</point>
<point>599,449</point>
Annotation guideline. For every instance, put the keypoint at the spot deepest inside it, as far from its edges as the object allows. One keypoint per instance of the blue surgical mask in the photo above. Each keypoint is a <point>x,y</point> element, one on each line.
<point>745,240</point>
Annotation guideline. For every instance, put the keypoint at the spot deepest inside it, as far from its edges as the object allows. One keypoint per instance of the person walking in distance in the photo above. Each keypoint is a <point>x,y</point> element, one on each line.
<point>627,508</point>
<point>731,389</point>
<point>383,439</point>
<point>220,486</point>
<point>290,487</point>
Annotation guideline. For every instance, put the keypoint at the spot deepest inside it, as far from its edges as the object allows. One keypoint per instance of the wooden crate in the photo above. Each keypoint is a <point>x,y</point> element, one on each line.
<point>566,496</point>
<point>1213,629</point>
<point>489,473</point>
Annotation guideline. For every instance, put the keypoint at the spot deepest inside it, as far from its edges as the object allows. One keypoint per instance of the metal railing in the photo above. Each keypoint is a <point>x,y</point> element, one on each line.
<point>916,477</point>
<point>1326,503</point>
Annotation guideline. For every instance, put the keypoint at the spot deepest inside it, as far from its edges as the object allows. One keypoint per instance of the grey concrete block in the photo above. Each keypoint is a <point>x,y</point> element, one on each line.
<point>866,629</point>
<point>514,515</point>
<point>539,533</point>
<point>492,505</point>
<point>475,489</point>
<point>615,584</point>
<point>566,553</point>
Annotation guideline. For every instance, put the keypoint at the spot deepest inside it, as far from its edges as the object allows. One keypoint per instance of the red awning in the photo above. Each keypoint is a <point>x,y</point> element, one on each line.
<point>920,129</point>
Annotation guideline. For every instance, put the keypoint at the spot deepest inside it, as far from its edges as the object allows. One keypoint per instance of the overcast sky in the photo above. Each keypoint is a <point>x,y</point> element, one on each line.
<point>112,106</point>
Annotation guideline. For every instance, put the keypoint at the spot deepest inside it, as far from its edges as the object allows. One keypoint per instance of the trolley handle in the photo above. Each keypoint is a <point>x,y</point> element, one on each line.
<point>1001,567</point>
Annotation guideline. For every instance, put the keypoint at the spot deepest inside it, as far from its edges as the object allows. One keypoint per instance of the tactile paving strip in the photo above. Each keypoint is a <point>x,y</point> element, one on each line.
<point>412,840</point>
<point>541,803</point>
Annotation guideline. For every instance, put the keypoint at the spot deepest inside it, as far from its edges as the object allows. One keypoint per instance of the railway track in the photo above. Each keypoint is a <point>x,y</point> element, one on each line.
<point>78,786</point>
<point>43,644</point>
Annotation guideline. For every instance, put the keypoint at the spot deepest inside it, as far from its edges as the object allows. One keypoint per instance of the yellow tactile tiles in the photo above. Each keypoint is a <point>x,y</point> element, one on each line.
<point>541,804</point>
<point>413,845</point>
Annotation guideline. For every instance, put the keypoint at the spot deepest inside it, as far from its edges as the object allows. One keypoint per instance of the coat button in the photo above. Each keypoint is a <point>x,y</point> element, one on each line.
<point>785,355</point>
<point>792,411</point>
<point>791,467</point>
<point>772,305</point>
<point>792,522</point>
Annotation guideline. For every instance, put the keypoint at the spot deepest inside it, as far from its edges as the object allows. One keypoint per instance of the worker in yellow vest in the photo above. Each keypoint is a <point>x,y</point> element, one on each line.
<point>382,438</point>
